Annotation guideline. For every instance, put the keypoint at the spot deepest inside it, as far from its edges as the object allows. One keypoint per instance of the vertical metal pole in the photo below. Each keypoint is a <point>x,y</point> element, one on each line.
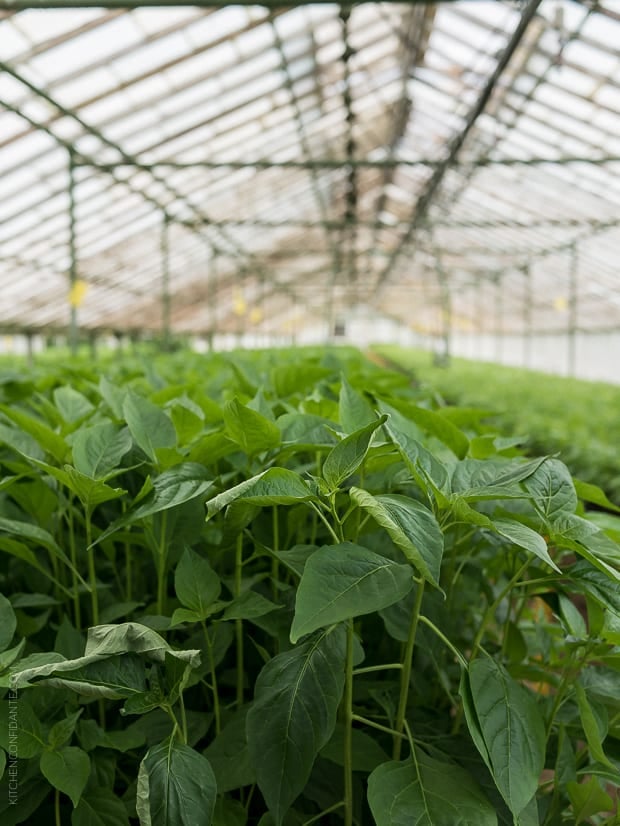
<point>498,319</point>
<point>30,349</point>
<point>211,273</point>
<point>572,310</point>
<point>73,266</point>
<point>165,281</point>
<point>527,316</point>
<point>446,315</point>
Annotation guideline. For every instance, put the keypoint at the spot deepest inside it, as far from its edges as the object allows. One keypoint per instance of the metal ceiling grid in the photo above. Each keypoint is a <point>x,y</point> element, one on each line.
<point>296,161</point>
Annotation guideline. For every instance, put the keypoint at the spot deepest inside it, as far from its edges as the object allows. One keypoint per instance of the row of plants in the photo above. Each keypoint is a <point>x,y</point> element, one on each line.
<point>290,587</point>
<point>578,419</point>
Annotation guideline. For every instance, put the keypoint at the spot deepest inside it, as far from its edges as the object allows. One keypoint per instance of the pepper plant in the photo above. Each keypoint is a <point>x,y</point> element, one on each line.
<point>256,589</point>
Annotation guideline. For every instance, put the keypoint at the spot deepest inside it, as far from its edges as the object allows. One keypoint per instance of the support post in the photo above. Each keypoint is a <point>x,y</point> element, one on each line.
<point>572,309</point>
<point>527,315</point>
<point>165,281</point>
<point>212,258</point>
<point>73,266</point>
<point>499,318</point>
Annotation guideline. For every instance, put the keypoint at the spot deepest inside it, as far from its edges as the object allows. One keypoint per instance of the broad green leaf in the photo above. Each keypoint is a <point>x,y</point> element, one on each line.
<point>346,457</point>
<point>100,807</point>
<point>91,492</point>
<point>195,582</point>
<point>344,581</point>
<point>229,756</point>
<point>45,437</point>
<point>98,450</point>
<point>411,526</point>
<point>306,431</point>
<point>229,812</point>
<point>293,715</point>
<point>113,396</point>
<point>181,483</point>
<point>366,753</point>
<point>176,787</point>
<point>552,489</point>
<point>288,379</point>
<point>8,622</point>
<point>72,404</point>
<point>36,535</point>
<point>275,486</point>
<point>250,605</point>
<point>592,493</point>
<point>61,731</point>
<point>107,640</point>
<point>597,584</point>
<point>427,792</point>
<point>524,537</point>
<point>437,425</point>
<point>252,431</point>
<point>355,411</point>
<point>2,763</point>
<point>594,727</point>
<point>68,770</point>
<point>150,427</point>
<point>512,729</point>
<point>588,799</point>
<point>7,658</point>
<point>21,732</point>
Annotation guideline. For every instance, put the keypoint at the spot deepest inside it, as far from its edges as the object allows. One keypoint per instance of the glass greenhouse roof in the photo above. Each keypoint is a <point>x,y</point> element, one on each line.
<point>226,166</point>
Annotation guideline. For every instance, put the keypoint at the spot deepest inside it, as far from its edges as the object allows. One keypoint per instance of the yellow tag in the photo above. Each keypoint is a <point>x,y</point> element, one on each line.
<point>560,304</point>
<point>77,293</point>
<point>239,305</point>
<point>256,315</point>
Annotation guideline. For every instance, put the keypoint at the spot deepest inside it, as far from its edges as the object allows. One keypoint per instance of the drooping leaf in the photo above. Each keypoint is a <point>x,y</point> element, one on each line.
<point>355,412</point>
<point>293,716</point>
<point>524,537</point>
<point>100,807</point>
<point>72,404</point>
<point>552,489</point>
<point>98,450</point>
<point>511,727</point>
<point>252,431</point>
<point>196,584</point>
<point>176,787</point>
<point>411,526</point>
<point>45,437</point>
<point>150,427</point>
<point>67,769</point>
<point>588,799</point>
<point>594,727</point>
<point>275,486</point>
<point>344,581</point>
<point>346,457</point>
<point>427,792</point>
<point>36,535</point>
<point>8,622</point>
<point>21,731</point>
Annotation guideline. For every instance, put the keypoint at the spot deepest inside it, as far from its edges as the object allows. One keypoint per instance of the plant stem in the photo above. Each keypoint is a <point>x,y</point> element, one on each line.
<point>239,622</point>
<point>321,516</point>
<point>405,674</point>
<point>275,575</point>
<point>57,807</point>
<point>316,818</point>
<point>183,717</point>
<point>214,689</point>
<point>445,640</point>
<point>77,611</point>
<point>365,721</point>
<point>92,577</point>
<point>348,729</point>
<point>371,668</point>
<point>161,566</point>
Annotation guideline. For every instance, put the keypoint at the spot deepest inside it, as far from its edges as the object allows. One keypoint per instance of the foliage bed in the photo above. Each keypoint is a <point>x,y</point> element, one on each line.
<point>579,419</point>
<point>288,588</point>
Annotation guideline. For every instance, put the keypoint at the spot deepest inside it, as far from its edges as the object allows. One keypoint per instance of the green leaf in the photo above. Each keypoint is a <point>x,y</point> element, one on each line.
<point>229,813</point>
<point>427,792</point>
<point>345,458</point>
<point>91,492</point>
<point>67,770</point>
<point>551,486</point>
<point>355,412</point>
<point>252,431</point>
<point>61,731</point>
<point>526,538</point>
<point>366,753</point>
<point>512,729</point>
<point>8,622</point>
<point>344,581</point>
<point>594,728</point>
<point>250,605</point>
<point>275,486</point>
<point>98,450</point>
<point>45,437</point>
<point>181,483</point>
<point>588,492</point>
<point>20,728</point>
<point>293,716</point>
<point>437,425</point>
<point>229,756</point>
<point>150,427</point>
<point>196,584</point>
<point>411,526</point>
<point>588,799</point>
<point>100,807</point>
<point>176,787</point>
<point>72,404</point>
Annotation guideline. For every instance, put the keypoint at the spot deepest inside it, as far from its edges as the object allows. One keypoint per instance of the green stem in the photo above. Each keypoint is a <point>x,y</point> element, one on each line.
<point>239,622</point>
<point>405,674</point>
<point>316,818</point>
<point>445,640</point>
<point>214,688</point>
<point>57,807</point>
<point>128,566</point>
<point>161,566</point>
<point>183,717</point>
<point>275,565</point>
<point>92,577</point>
<point>371,668</point>
<point>365,721</point>
<point>77,611</point>
<point>348,729</point>
<point>321,516</point>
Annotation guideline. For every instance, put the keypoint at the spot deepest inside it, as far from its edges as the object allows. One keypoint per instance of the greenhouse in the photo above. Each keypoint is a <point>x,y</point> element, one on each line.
<point>309,413</point>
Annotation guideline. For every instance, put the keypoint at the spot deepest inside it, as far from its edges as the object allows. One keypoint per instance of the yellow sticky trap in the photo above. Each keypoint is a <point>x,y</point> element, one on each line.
<point>77,293</point>
<point>560,304</point>
<point>239,305</point>
<point>256,315</point>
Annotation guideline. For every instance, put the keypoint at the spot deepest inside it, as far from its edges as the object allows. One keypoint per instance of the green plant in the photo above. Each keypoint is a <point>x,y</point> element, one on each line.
<point>369,623</point>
